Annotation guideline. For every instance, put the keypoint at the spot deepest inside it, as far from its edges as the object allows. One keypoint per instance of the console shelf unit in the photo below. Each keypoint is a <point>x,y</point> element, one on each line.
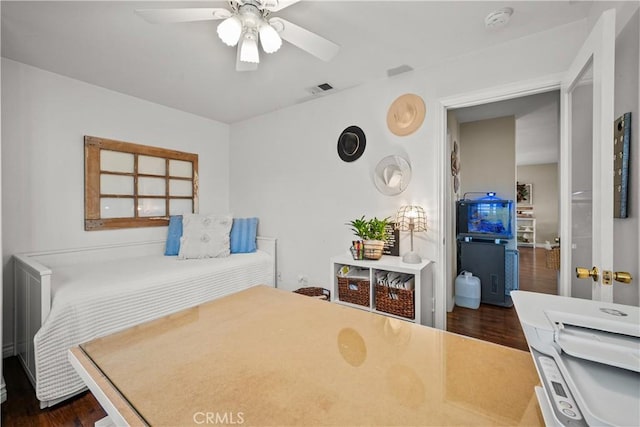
<point>423,284</point>
<point>526,225</point>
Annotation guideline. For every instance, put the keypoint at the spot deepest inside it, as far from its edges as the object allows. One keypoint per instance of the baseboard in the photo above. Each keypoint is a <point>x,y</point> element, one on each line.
<point>7,350</point>
<point>535,245</point>
<point>450,304</point>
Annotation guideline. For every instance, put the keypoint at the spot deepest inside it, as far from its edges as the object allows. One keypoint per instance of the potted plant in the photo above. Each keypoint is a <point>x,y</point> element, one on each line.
<point>376,236</point>
<point>378,229</point>
<point>373,234</point>
<point>360,227</point>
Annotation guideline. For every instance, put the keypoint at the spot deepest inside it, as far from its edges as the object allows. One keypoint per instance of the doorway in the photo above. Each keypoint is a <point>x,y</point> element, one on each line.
<point>510,147</point>
<point>625,231</point>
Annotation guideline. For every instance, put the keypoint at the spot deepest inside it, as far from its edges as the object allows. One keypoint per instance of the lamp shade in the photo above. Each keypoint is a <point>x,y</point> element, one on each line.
<point>269,38</point>
<point>411,218</point>
<point>230,30</point>
<point>249,48</point>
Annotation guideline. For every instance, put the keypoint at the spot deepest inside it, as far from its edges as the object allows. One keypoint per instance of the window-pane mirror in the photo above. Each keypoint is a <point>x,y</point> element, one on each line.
<point>113,161</point>
<point>180,187</point>
<point>180,169</point>
<point>151,186</point>
<point>151,207</point>
<point>116,208</point>
<point>116,184</point>
<point>151,165</point>
<point>132,185</point>
<point>179,206</point>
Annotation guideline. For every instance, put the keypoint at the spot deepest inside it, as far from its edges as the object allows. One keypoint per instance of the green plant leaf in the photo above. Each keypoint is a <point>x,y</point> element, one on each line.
<point>359,227</point>
<point>373,229</point>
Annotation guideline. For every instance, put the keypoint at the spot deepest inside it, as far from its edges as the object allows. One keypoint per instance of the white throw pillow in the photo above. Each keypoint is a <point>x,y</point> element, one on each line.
<point>205,236</point>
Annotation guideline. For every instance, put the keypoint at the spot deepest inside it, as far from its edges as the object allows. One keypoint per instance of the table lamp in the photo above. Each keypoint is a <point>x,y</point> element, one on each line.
<point>411,218</point>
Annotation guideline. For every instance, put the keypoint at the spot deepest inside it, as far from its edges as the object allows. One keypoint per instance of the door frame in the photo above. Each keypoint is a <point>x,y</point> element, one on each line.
<point>446,232</point>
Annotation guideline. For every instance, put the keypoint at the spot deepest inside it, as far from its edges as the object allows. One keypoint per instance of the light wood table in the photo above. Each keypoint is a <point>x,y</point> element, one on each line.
<point>264,356</point>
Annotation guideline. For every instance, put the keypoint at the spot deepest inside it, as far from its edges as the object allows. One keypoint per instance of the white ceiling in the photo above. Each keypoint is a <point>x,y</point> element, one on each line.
<point>186,66</point>
<point>537,122</point>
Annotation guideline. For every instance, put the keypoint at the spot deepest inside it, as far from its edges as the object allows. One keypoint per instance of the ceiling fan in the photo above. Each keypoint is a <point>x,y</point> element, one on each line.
<point>245,24</point>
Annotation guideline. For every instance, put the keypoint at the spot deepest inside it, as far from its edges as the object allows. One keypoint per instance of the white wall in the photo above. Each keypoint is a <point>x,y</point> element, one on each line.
<point>488,157</point>
<point>538,130</point>
<point>45,117</point>
<point>625,10</point>
<point>285,168</point>
<point>537,124</point>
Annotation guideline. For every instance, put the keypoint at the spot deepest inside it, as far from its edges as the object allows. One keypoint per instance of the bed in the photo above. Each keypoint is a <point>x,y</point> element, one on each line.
<point>64,298</point>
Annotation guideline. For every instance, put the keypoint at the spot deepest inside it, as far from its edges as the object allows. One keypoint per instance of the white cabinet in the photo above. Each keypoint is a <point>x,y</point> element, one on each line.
<point>526,231</point>
<point>362,285</point>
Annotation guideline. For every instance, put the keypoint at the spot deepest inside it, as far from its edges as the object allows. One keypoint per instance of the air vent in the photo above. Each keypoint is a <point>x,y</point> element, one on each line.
<point>321,88</point>
<point>399,70</point>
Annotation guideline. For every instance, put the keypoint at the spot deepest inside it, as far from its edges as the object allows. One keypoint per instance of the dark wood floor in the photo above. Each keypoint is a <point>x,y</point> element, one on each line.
<point>490,323</point>
<point>500,325</point>
<point>22,409</point>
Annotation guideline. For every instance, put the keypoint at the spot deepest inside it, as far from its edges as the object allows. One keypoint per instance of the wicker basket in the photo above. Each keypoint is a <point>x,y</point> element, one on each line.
<point>395,301</point>
<point>373,249</point>
<point>354,290</point>
<point>319,293</point>
<point>553,258</point>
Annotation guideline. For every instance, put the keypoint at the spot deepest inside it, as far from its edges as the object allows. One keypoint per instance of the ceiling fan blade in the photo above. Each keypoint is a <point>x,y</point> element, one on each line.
<point>167,16</point>
<point>242,65</point>
<point>276,5</point>
<point>305,39</point>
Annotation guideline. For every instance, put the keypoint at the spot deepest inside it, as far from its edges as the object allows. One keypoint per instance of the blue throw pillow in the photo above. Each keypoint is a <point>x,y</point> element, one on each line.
<point>173,235</point>
<point>243,235</point>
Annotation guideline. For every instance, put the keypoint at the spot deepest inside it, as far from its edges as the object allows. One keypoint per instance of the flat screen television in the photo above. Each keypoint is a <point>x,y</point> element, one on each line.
<point>487,218</point>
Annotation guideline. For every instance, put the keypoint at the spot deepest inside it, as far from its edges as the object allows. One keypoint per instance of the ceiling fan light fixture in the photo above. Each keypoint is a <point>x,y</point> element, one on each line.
<point>230,30</point>
<point>249,48</point>
<point>269,38</point>
<point>245,24</point>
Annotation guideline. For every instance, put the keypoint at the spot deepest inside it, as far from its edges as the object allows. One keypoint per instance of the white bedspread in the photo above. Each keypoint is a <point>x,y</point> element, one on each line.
<point>91,300</point>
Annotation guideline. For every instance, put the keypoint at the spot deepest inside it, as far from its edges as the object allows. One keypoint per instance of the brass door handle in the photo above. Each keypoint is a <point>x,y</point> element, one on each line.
<point>622,277</point>
<point>585,273</point>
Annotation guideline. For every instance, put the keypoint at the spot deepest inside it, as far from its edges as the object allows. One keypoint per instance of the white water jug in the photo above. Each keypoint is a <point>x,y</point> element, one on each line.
<point>467,290</point>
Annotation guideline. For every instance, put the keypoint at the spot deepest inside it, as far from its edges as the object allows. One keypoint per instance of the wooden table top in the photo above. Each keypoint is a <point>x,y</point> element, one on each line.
<point>264,356</point>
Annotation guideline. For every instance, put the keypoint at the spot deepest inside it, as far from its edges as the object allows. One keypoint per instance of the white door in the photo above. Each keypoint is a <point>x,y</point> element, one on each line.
<point>586,165</point>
